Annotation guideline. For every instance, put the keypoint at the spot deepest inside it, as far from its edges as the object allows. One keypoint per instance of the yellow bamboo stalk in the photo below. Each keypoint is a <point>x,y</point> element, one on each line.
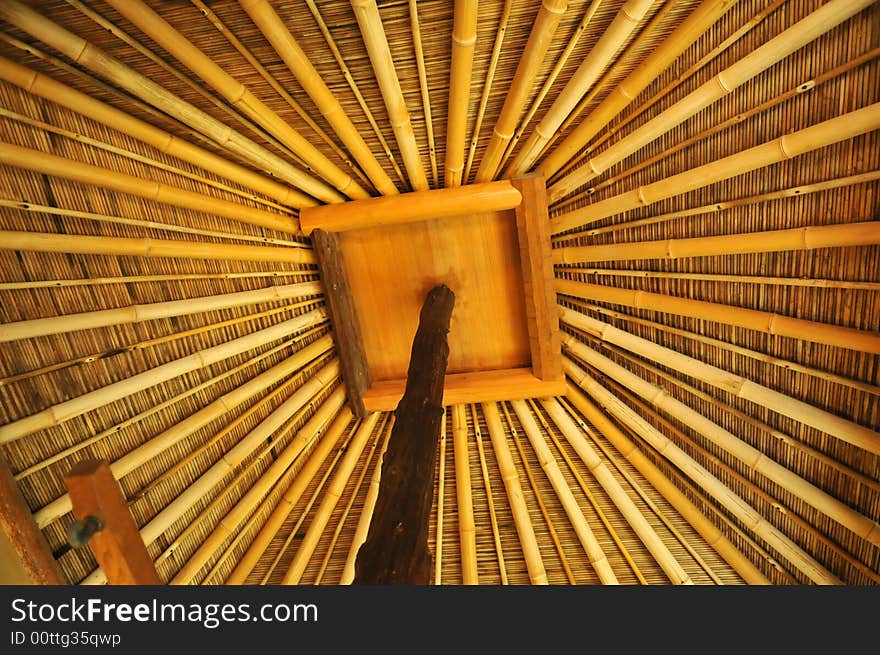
<point>229,524</point>
<point>284,43</point>
<point>129,279</point>
<point>39,327</point>
<point>464,38</point>
<point>373,33</point>
<point>64,411</point>
<point>738,507</point>
<point>736,385</point>
<point>363,527</point>
<point>423,87</point>
<point>487,484</point>
<point>527,539</point>
<point>48,164</point>
<point>330,498</point>
<point>599,58</point>
<point>752,319</point>
<point>158,29</point>
<point>548,463</point>
<point>846,126</point>
<point>441,484</point>
<point>289,499</point>
<point>146,247</point>
<point>801,238</point>
<point>754,459</point>
<point>655,477</point>
<point>530,62</point>
<point>467,534</point>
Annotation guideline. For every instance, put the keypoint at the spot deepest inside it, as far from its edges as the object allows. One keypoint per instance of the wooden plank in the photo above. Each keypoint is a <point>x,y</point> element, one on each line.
<point>118,547</point>
<point>344,319</point>
<point>473,387</point>
<point>410,207</point>
<point>27,558</point>
<point>396,548</point>
<point>533,228</point>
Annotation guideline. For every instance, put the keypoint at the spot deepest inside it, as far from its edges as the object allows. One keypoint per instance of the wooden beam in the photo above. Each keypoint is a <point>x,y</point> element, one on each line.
<point>473,387</point>
<point>118,546</point>
<point>344,318</point>
<point>532,226</point>
<point>396,548</point>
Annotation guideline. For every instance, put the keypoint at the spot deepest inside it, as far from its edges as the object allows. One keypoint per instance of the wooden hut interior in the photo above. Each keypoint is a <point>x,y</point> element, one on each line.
<point>593,286</point>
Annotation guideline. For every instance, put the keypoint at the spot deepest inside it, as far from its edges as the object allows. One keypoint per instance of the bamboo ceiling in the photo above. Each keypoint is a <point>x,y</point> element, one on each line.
<point>721,423</point>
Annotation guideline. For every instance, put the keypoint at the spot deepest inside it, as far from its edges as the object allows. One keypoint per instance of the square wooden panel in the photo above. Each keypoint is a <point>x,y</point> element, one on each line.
<point>489,244</point>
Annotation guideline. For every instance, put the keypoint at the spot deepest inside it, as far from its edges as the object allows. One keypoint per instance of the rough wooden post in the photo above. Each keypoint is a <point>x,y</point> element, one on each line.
<point>396,548</point>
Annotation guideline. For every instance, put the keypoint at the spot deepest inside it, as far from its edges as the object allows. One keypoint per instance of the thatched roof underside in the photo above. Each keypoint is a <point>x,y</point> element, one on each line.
<point>812,518</point>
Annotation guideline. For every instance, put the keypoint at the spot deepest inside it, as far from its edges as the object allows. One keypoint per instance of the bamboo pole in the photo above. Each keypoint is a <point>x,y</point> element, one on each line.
<point>39,327</point>
<point>801,238</point>
<point>289,498</point>
<point>158,279</point>
<point>599,58</point>
<point>698,21</point>
<point>753,319</point>
<point>487,485</point>
<point>191,424</point>
<point>738,507</point>
<point>770,53</point>
<point>755,460</point>
<point>575,515</point>
<point>64,411</point>
<point>737,385</point>
<point>464,38</point>
<point>363,526</point>
<point>239,96</point>
<point>841,128</point>
<point>94,59</point>
<point>530,61</point>
<point>147,247</point>
<point>68,169</point>
<point>527,539</point>
<point>329,499</point>
<point>284,43</point>
<point>467,535</point>
<point>423,87</point>
<point>229,525</point>
<point>373,33</point>
<point>441,483</point>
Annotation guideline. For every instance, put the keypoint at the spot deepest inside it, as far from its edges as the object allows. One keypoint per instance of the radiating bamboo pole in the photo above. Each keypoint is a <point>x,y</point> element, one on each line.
<point>723,205</point>
<point>159,279</point>
<point>467,535</point>
<point>487,86</point>
<point>48,164</point>
<point>801,238</point>
<point>541,505</point>
<point>599,58</point>
<point>64,411</point>
<point>700,19</point>
<point>373,33</point>
<point>487,484</point>
<point>464,38</point>
<point>363,526</point>
<point>158,29</point>
<point>530,61</point>
<point>423,87</point>
<point>841,128</point>
<point>191,424</point>
<point>510,477</point>
<point>229,524</point>
<point>737,385</point>
<point>284,43</point>
<point>289,498</point>
<point>94,59</point>
<point>679,501</point>
<point>754,459</point>
<point>738,507</point>
<point>146,247</point>
<point>548,463</point>
<point>329,499</point>
<point>441,501</point>
<point>753,319</point>
<point>39,327</point>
